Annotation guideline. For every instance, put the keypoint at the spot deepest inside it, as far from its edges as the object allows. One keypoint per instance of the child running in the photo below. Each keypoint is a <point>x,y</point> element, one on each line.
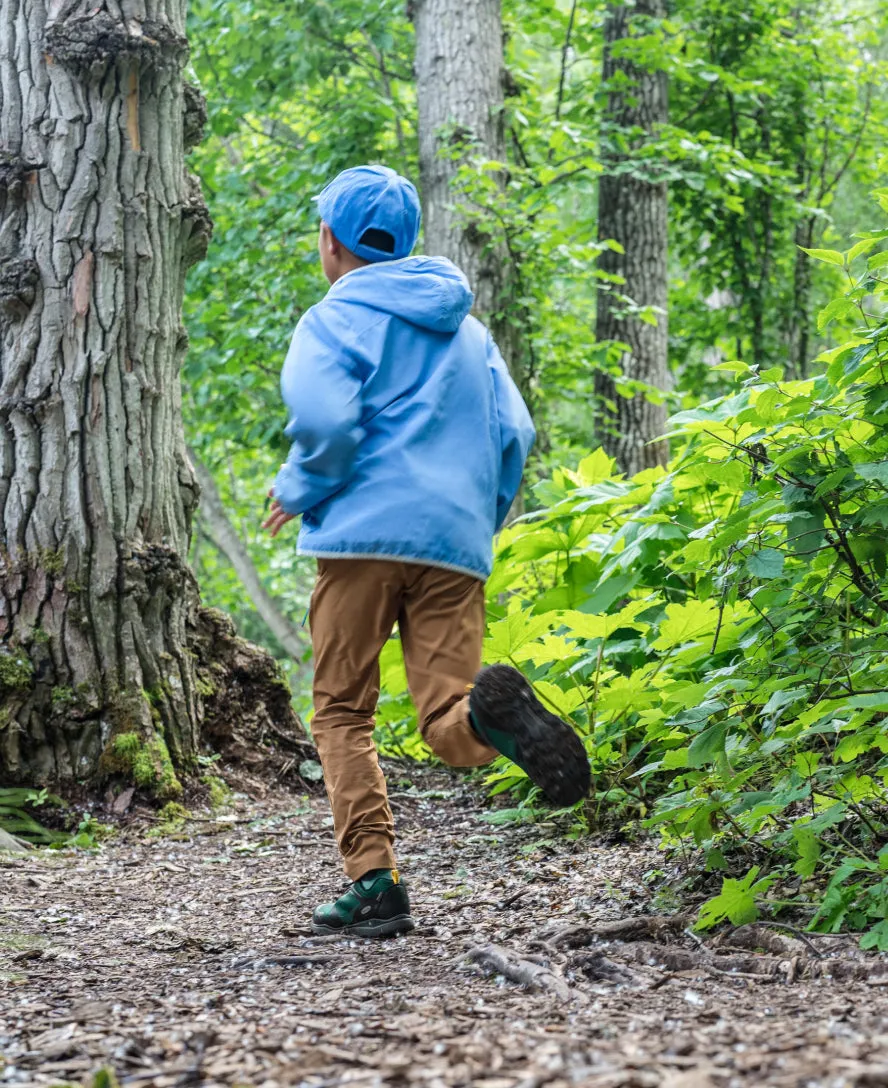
<point>409,439</point>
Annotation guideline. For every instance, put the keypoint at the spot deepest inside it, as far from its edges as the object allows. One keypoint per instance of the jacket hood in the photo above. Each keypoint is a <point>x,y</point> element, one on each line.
<point>430,292</point>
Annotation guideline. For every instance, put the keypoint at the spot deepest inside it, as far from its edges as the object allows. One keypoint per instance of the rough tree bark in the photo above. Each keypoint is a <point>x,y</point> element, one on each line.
<point>99,221</point>
<point>632,210</point>
<point>460,78</point>
<point>217,524</point>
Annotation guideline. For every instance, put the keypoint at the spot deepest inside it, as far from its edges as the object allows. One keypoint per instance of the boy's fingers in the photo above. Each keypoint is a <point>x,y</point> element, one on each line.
<point>277,521</point>
<point>281,522</point>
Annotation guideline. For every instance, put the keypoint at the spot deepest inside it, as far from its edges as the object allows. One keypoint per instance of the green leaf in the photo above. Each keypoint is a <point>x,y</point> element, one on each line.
<point>879,261</point>
<point>830,256</point>
<point>707,745</point>
<point>808,847</point>
<point>877,937</point>
<point>873,470</point>
<point>838,309</point>
<point>805,533</point>
<point>516,630</point>
<point>766,563</point>
<point>859,248</point>
<point>685,622</point>
<point>581,625</point>
<point>736,902</point>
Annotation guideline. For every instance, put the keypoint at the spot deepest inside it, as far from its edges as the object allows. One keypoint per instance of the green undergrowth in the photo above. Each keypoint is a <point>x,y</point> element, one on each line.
<point>718,631</point>
<point>17,817</point>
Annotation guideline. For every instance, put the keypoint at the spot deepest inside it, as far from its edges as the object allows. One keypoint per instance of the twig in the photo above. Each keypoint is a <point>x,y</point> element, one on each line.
<point>513,898</point>
<point>564,54</point>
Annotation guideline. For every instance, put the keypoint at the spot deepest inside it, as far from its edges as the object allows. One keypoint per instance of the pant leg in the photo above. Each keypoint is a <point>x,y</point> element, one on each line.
<point>442,627</point>
<point>353,610</point>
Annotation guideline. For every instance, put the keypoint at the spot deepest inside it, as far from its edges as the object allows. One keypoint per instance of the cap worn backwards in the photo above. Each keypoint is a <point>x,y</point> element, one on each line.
<point>372,211</point>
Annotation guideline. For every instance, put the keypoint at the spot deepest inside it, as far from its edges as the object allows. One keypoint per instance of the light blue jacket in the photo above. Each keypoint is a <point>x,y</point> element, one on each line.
<point>409,436</point>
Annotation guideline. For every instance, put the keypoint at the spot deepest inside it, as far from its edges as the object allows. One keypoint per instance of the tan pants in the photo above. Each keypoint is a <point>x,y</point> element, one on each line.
<point>354,607</point>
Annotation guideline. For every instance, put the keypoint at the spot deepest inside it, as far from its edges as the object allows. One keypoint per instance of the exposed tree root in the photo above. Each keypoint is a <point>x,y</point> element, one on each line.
<point>596,967</point>
<point>623,929</point>
<point>760,967</point>
<point>757,935</point>
<point>499,961</point>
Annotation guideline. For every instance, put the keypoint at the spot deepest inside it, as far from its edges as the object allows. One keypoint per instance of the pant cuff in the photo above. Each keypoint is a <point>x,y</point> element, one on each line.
<point>373,856</point>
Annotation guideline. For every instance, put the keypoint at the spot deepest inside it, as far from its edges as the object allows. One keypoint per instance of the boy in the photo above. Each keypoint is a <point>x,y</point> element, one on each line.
<point>409,441</point>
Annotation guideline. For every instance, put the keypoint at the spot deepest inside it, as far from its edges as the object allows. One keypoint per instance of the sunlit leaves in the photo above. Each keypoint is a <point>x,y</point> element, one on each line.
<point>737,901</point>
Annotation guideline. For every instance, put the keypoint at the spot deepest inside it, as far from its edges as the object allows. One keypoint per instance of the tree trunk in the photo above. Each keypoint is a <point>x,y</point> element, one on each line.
<point>223,535</point>
<point>99,221</point>
<point>459,87</point>
<point>799,325</point>
<point>632,210</point>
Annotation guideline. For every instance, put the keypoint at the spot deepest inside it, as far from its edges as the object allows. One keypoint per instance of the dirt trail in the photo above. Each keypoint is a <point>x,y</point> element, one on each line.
<point>155,957</point>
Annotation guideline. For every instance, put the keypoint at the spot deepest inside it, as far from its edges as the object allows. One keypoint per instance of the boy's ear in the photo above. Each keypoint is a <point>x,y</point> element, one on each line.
<point>329,240</point>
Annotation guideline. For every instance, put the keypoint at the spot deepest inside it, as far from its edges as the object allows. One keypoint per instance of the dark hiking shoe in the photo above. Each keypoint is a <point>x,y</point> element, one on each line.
<point>374,906</point>
<point>507,715</point>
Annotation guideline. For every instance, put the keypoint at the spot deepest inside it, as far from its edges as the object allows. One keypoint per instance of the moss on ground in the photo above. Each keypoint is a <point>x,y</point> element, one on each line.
<point>220,794</point>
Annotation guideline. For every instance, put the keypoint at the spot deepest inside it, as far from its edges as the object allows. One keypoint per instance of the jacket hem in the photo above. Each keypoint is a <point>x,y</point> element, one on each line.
<point>313,553</point>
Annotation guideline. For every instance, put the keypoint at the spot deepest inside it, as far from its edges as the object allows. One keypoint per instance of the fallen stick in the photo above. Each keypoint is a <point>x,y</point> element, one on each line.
<point>498,961</point>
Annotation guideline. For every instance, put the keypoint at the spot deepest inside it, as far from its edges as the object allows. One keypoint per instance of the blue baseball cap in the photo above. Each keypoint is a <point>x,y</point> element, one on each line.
<point>372,211</point>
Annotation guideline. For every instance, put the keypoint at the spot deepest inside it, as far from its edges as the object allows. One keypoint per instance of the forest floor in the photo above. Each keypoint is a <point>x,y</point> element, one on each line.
<point>160,958</point>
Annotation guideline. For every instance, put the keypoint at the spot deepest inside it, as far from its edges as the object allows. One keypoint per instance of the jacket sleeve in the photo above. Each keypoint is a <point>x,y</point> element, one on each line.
<point>322,394</point>
<point>516,430</point>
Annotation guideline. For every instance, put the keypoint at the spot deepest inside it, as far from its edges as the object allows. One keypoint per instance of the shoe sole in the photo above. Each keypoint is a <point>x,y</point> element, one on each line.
<point>548,749</point>
<point>373,927</point>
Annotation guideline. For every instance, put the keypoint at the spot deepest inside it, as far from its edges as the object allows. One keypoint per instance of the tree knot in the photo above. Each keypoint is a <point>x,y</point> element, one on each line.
<point>194,115</point>
<point>196,222</point>
<point>89,43</point>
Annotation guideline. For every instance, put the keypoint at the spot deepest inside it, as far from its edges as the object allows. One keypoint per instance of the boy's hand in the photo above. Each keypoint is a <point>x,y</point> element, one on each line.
<point>278,518</point>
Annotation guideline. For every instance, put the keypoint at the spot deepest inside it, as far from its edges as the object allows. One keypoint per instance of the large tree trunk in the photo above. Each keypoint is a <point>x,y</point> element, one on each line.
<point>99,221</point>
<point>459,87</point>
<point>632,210</point>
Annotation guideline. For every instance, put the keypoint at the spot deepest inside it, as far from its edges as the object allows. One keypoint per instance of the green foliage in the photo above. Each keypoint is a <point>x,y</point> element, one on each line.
<point>89,835</point>
<point>17,821</point>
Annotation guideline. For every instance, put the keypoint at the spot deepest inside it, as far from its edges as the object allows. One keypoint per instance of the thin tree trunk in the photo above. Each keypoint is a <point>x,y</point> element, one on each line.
<point>459,87</point>
<point>98,223</point>
<point>226,538</point>
<point>800,317</point>
<point>633,211</point>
